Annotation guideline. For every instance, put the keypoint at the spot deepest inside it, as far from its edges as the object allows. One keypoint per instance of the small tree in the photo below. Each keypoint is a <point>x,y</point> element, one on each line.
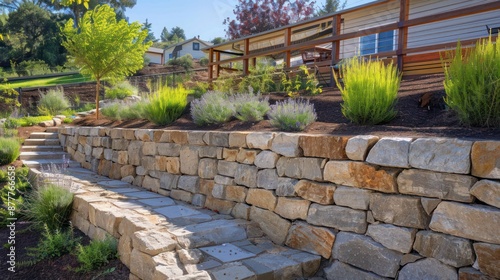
<point>104,47</point>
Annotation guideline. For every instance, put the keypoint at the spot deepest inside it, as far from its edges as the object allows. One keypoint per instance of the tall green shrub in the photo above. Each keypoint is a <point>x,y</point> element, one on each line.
<point>472,84</point>
<point>53,102</point>
<point>9,150</point>
<point>166,105</point>
<point>369,90</point>
<point>121,90</point>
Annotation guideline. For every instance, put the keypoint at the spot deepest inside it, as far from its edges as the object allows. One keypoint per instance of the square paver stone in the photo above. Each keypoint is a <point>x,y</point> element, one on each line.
<point>127,204</point>
<point>176,211</point>
<point>114,183</point>
<point>227,253</point>
<point>156,202</point>
<point>123,190</point>
<point>144,195</point>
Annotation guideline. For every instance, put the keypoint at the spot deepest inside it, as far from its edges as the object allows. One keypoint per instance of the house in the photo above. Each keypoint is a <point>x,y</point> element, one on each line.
<point>412,33</point>
<point>155,55</point>
<point>192,46</point>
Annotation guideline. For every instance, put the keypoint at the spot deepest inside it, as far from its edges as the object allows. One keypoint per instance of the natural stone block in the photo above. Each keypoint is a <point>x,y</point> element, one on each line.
<point>410,258</point>
<point>168,181</point>
<point>134,150</point>
<point>142,265</point>
<point>286,145</point>
<point>469,273</point>
<point>196,138</point>
<point>246,156</point>
<point>266,159</point>
<point>269,222</point>
<point>199,200</point>
<point>292,208</point>
<point>131,224</point>
<point>217,138</point>
<point>487,191</point>
<point>108,154</point>
<point>235,193</point>
<point>207,168</point>
<point>395,238</point>
<point>488,258</point>
<point>238,139</point>
<point>448,249</point>
<point>223,180</point>
<point>229,154</point>
<point>219,205</point>
<point>125,249</point>
<point>337,217</point>
<point>189,183</point>
<point>189,160</point>
<point>476,222</point>
<point>267,179</point>
<point>286,187</point>
<point>261,198</point>
<point>170,164</point>
<point>284,267</point>
<point>399,210</point>
<point>441,154</point>
<point>315,240</point>
<point>361,251</point>
<point>168,149</point>
<point>358,147</point>
<point>323,146</point>
<point>98,153</point>
<point>241,211</point>
<point>484,157</point>
<point>164,136</point>
<point>127,170</point>
<point>119,144</point>
<point>260,140</point>
<point>361,175</point>
<point>227,168</point>
<point>192,256</point>
<point>206,186</point>
<point>341,271</point>
<point>352,197</point>
<point>149,163</point>
<point>391,152</point>
<point>138,181</point>
<point>245,175</point>
<point>181,195</point>
<point>316,192</point>
<point>115,172</point>
<point>153,242</point>
<point>301,168</point>
<point>144,135</point>
<point>179,137</point>
<point>149,148</point>
<point>427,269</point>
<point>151,184</point>
<point>440,185</point>
<point>429,204</point>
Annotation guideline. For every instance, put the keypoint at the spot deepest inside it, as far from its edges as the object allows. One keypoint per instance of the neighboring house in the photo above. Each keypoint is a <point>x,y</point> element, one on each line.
<point>192,46</point>
<point>155,55</point>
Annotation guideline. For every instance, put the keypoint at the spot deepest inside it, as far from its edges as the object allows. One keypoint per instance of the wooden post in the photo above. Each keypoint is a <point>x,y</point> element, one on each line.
<point>245,61</point>
<point>288,40</point>
<point>336,29</point>
<point>404,10</point>
<point>217,70</point>
<point>210,66</point>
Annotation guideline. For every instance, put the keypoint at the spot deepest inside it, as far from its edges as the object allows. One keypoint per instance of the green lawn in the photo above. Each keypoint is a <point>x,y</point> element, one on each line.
<point>76,78</point>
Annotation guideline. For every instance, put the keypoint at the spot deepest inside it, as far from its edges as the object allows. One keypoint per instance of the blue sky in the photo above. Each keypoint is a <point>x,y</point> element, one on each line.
<point>196,17</point>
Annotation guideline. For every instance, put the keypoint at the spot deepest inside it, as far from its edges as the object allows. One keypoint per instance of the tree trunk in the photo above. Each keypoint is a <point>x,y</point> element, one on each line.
<point>97,88</point>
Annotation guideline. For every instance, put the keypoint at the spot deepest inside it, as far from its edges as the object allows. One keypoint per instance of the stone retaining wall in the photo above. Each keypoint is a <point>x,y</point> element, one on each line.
<point>377,207</point>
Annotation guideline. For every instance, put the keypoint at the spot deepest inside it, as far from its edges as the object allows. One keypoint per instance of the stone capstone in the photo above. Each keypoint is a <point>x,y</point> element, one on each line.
<point>488,191</point>
<point>485,157</point>
<point>323,146</point>
<point>441,154</point>
<point>286,145</point>
<point>391,152</point>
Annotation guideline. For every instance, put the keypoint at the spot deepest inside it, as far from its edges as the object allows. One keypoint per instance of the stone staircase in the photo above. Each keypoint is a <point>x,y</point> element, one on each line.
<point>161,238</point>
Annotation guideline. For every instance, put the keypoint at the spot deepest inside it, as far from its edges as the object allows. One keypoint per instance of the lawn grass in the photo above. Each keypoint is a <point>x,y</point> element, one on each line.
<point>75,78</point>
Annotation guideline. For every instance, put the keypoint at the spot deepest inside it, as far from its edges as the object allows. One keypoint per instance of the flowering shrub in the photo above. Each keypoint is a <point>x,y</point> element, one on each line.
<point>292,114</point>
<point>249,107</point>
<point>212,108</point>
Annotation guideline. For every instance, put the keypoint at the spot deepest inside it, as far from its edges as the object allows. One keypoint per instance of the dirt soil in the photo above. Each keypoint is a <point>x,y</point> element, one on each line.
<point>435,120</point>
<point>62,268</point>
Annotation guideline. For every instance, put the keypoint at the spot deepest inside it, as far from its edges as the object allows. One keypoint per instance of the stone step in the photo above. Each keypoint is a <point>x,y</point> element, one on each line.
<point>44,163</point>
<point>41,148</point>
<point>52,129</point>
<point>41,155</point>
<point>44,135</point>
<point>41,142</point>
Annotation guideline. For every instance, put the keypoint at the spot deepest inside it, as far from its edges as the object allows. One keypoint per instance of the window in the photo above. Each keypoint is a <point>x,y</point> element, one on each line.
<point>196,46</point>
<point>170,56</point>
<point>376,43</point>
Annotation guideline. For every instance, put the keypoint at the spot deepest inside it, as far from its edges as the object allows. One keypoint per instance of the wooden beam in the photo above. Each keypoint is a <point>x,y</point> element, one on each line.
<point>336,24</point>
<point>246,56</point>
<point>226,52</point>
<point>404,11</point>
<point>217,70</point>
<point>288,40</point>
<point>210,65</point>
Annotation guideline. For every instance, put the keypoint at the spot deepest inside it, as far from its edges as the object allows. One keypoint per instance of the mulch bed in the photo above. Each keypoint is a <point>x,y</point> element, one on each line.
<point>412,120</point>
<point>62,268</point>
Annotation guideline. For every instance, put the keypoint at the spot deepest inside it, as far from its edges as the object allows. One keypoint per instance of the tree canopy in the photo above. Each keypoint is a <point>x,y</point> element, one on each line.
<point>151,36</point>
<point>330,6</point>
<point>254,16</point>
<point>104,47</point>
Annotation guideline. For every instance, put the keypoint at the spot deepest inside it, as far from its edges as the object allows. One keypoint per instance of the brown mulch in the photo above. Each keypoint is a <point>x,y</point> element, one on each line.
<point>435,120</point>
<point>61,268</point>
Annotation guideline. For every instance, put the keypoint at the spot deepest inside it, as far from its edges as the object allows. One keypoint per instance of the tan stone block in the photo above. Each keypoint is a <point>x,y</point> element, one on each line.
<point>324,146</point>
<point>127,170</point>
<point>149,148</point>
<point>206,186</point>
<point>488,258</point>
<point>150,183</point>
<point>235,193</point>
<point>262,198</point>
<point>207,168</point>
<point>179,137</point>
<point>488,191</point>
<point>189,158</point>
<point>115,172</point>
<point>125,249</point>
<point>116,133</point>
<point>162,136</point>
<point>169,164</point>
<point>270,222</point>
<point>109,218</point>
<point>132,223</point>
<point>219,205</point>
<point>79,222</point>
<point>469,273</point>
<point>230,154</point>
<point>484,157</point>
<point>97,233</point>
<point>181,195</point>
<point>128,134</point>
<point>246,156</point>
<point>196,138</point>
<point>142,265</point>
<point>153,242</point>
<point>238,139</point>
<point>317,192</point>
<point>315,240</point>
<point>241,211</point>
<point>145,135</point>
<point>361,175</point>
<point>292,208</point>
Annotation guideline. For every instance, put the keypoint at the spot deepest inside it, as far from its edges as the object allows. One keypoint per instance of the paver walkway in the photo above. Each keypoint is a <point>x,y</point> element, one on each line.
<point>161,238</point>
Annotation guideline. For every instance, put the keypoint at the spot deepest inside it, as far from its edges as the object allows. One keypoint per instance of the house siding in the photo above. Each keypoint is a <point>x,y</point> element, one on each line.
<point>187,48</point>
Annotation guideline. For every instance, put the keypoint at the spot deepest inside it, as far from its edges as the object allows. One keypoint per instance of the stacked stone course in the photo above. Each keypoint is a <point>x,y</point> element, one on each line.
<point>388,207</point>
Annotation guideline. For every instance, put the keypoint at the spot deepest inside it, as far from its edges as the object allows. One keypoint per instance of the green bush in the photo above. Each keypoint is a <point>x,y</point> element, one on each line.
<point>249,107</point>
<point>12,196</point>
<point>119,111</point>
<point>260,79</point>
<point>204,61</point>
<point>9,150</point>
<point>200,88</point>
<point>53,244</point>
<point>212,108</point>
<point>49,205</point>
<point>226,82</point>
<point>9,97</point>
<point>121,90</point>
<point>32,67</point>
<point>292,114</point>
<point>472,84</point>
<point>304,83</point>
<point>31,121</point>
<point>53,102</point>
<point>166,105</point>
<point>185,61</point>
<point>369,91</point>
<point>12,123</point>
<point>96,254</point>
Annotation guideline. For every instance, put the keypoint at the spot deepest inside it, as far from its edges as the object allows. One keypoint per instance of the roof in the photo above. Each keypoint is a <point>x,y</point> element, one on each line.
<point>155,50</point>
<point>207,44</point>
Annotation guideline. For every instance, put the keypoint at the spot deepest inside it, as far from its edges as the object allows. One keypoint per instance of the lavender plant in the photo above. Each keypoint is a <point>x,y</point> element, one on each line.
<point>250,107</point>
<point>212,108</point>
<point>292,114</point>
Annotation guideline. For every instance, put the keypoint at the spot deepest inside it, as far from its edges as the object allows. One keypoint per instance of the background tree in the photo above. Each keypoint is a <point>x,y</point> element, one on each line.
<point>330,6</point>
<point>151,36</point>
<point>78,7</point>
<point>164,35</point>
<point>177,34</point>
<point>254,16</point>
<point>104,47</point>
<point>218,40</point>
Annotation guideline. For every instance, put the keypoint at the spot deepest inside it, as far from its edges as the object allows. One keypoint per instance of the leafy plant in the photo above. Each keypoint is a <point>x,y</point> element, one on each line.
<point>260,79</point>
<point>11,123</point>
<point>203,61</point>
<point>212,108</point>
<point>200,88</point>
<point>96,254</point>
<point>120,111</point>
<point>226,82</point>
<point>53,102</point>
<point>121,90</point>
<point>304,82</point>
<point>9,150</point>
<point>12,196</point>
<point>292,114</point>
<point>50,206</point>
<point>472,84</point>
<point>185,61</point>
<point>30,121</point>
<point>369,90</point>
<point>9,96</point>
<point>166,105</point>
<point>53,244</point>
<point>249,107</point>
